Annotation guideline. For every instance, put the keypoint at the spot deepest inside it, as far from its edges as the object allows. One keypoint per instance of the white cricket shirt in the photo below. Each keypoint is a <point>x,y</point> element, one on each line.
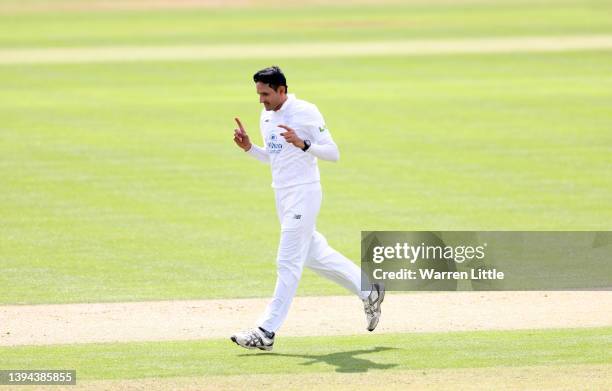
<point>290,165</point>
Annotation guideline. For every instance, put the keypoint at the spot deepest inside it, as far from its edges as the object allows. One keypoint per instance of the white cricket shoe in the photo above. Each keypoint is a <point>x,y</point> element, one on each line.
<point>257,338</point>
<point>371,305</point>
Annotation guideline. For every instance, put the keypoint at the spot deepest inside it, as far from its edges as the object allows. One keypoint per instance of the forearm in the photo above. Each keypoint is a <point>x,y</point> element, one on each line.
<point>327,151</point>
<point>259,153</point>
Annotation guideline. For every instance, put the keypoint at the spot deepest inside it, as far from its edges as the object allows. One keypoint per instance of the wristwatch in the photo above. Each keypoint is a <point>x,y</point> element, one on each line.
<point>306,145</point>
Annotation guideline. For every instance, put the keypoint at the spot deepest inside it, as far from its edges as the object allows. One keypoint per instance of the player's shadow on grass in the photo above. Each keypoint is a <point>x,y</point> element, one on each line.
<point>343,361</point>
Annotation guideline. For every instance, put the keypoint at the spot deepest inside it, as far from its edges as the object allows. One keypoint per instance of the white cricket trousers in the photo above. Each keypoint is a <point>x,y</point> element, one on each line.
<point>300,244</point>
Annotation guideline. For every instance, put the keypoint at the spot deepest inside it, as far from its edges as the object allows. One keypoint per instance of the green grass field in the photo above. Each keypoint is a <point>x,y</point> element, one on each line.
<point>120,181</point>
<point>370,22</point>
<point>328,354</point>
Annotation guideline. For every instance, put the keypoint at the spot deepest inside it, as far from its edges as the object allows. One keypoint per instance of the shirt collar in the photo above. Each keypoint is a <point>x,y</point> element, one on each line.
<point>290,99</point>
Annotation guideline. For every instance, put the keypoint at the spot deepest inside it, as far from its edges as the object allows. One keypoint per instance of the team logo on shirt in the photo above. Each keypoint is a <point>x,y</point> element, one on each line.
<point>273,145</point>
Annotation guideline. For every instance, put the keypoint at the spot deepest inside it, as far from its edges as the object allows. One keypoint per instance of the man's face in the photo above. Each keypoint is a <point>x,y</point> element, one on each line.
<point>271,99</point>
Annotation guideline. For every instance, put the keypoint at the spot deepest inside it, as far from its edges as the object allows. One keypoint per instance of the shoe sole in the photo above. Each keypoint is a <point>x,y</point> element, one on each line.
<point>266,348</point>
<point>381,298</point>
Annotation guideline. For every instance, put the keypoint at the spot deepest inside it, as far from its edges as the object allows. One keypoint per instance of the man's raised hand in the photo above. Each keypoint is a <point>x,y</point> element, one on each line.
<point>291,137</point>
<point>241,138</point>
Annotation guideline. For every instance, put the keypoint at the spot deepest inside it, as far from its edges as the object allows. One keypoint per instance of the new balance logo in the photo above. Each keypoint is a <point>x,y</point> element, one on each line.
<point>297,217</point>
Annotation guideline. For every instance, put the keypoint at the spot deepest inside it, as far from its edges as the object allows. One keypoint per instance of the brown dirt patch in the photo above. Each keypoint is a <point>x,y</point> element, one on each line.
<point>558,378</point>
<point>327,315</point>
<point>417,47</point>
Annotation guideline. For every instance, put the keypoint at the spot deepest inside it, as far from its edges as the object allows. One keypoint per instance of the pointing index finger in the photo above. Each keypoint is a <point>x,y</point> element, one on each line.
<point>239,124</point>
<point>285,127</point>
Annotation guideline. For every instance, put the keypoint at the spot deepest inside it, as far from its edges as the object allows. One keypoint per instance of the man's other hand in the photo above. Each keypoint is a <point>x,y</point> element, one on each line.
<point>291,137</point>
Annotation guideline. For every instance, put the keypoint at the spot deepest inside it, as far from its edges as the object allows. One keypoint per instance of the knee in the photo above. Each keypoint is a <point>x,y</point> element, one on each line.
<point>287,268</point>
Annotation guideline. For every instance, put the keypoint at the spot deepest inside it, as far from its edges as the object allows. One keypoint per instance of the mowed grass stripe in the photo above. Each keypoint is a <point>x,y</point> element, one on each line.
<point>301,23</point>
<point>322,354</point>
<point>306,50</point>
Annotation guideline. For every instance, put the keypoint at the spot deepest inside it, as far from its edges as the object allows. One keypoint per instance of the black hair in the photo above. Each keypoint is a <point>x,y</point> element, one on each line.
<point>272,76</point>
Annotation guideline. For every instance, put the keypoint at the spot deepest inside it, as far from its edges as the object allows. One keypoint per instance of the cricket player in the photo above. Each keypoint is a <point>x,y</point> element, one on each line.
<point>295,137</point>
